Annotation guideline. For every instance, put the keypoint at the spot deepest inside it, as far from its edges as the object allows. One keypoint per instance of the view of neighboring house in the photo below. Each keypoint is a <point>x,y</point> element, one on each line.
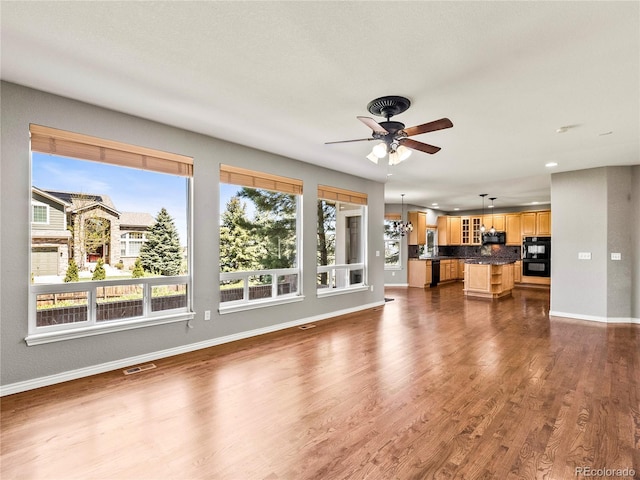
<point>84,227</point>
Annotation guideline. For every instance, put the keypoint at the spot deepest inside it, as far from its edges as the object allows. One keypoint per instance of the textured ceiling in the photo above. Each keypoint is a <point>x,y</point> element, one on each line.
<point>286,77</point>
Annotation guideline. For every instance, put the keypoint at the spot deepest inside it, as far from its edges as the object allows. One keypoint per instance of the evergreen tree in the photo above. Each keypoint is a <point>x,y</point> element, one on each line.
<point>161,253</point>
<point>274,227</point>
<point>99,273</point>
<point>72,272</point>
<point>238,249</point>
<point>138,271</point>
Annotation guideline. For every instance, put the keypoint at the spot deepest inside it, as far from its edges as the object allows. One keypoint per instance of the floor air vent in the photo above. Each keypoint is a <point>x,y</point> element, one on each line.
<point>306,327</point>
<point>138,369</point>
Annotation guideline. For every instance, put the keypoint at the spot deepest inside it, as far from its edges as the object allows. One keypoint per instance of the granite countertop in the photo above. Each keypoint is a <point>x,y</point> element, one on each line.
<point>489,261</point>
<point>474,260</point>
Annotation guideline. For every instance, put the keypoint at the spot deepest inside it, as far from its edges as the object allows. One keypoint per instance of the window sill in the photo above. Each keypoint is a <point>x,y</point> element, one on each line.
<point>259,304</point>
<point>326,292</point>
<point>61,335</point>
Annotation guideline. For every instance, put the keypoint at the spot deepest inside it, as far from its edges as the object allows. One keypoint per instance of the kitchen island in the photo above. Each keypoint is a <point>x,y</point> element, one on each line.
<point>488,278</point>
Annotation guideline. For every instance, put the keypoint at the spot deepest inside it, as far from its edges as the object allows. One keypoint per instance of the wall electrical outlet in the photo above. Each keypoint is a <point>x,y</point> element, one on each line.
<point>584,255</point>
<point>616,256</point>
<point>207,314</point>
<point>372,288</point>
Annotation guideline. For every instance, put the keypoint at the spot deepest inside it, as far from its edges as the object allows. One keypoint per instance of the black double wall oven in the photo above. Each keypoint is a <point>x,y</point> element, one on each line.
<point>536,256</point>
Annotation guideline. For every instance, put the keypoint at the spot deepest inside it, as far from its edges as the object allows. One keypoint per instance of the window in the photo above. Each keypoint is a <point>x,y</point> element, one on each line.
<point>392,243</point>
<point>341,253</point>
<point>131,243</point>
<point>40,213</point>
<point>81,283</point>
<point>259,239</point>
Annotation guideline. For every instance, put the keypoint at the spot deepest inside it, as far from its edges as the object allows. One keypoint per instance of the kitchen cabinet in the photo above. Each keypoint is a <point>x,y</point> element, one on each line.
<point>513,229</point>
<point>418,236</point>
<point>470,230</point>
<point>543,223</point>
<point>488,280</point>
<point>536,223</point>
<point>448,230</point>
<point>419,273</point>
<point>517,271</point>
<point>497,221</point>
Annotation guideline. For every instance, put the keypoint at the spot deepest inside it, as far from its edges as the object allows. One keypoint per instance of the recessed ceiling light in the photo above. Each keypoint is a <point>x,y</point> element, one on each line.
<point>551,164</point>
<point>562,129</point>
<point>457,208</point>
<point>434,204</point>
<point>535,203</point>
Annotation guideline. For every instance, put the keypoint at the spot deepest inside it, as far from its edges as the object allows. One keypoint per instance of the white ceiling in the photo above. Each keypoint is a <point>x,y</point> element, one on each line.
<point>286,77</point>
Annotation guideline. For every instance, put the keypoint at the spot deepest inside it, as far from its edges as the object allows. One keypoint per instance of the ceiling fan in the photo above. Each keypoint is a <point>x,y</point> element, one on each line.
<point>394,135</point>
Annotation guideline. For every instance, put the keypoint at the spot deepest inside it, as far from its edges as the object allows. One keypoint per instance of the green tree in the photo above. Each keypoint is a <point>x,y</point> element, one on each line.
<point>99,272</point>
<point>274,227</point>
<point>238,248</point>
<point>72,272</point>
<point>138,270</point>
<point>161,253</point>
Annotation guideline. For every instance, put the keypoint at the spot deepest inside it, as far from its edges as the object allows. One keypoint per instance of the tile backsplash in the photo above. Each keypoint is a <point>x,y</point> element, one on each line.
<point>472,251</point>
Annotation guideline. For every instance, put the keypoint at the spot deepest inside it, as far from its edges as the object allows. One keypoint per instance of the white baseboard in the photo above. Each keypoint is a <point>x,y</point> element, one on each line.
<point>18,387</point>
<point>396,284</point>
<point>594,318</point>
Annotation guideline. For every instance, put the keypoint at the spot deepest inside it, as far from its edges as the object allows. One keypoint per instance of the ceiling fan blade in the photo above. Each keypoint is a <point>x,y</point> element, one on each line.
<point>349,141</point>
<point>429,127</point>
<point>373,125</point>
<point>423,147</point>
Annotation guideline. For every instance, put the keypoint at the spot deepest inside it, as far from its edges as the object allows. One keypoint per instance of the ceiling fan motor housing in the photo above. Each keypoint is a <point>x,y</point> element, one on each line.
<point>388,106</point>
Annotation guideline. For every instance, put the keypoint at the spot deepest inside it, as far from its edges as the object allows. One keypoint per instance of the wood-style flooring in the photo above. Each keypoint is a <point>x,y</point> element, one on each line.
<point>432,385</point>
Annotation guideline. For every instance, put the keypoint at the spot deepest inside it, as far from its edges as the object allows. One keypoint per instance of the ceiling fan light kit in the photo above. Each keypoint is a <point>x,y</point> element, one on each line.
<point>394,135</point>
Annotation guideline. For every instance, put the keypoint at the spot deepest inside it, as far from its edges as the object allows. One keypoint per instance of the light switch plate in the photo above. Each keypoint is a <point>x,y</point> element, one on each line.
<point>616,256</point>
<point>584,255</point>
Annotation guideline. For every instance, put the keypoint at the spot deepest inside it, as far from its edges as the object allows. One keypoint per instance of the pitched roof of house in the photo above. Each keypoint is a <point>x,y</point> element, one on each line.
<point>131,219</point>
<point>80,199</point>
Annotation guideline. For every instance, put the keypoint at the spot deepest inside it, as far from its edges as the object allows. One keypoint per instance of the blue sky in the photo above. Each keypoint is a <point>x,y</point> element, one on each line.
<point>130,189</point>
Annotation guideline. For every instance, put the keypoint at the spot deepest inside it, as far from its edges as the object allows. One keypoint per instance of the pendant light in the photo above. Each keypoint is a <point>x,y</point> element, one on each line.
<point>402,228</point>
<point>482,227</point>
<point>492,230</point>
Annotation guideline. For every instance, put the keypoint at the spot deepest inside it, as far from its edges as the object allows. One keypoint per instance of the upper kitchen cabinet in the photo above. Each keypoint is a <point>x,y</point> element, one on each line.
<point>536,223</point>
<point>448,230</point>
<point>470,230</point>
<point>496,221</point>
<point>418,236</point>
<point>513,229</point>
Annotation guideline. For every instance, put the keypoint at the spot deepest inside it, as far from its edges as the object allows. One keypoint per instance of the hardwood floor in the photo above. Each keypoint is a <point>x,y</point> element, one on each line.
<point>432,385</point>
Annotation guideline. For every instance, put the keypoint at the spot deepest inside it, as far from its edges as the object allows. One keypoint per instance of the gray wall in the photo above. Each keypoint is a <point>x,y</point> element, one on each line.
<point>596,211</point>
<point>635,241</point>
<point>20,363</point>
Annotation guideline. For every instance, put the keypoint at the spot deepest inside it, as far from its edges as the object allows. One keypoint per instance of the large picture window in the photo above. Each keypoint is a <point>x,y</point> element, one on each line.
<point>113,251</point>
<point>259,239</point>
<point>341,241</point>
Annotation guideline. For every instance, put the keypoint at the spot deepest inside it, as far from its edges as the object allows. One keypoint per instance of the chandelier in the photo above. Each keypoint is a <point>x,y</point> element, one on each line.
<point>402,228</point>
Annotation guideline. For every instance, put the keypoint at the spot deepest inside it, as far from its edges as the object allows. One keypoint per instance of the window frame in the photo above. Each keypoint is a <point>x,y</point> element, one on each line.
<point>258,180</point>
<point>343,270</point>
<point>34,204</point>
<point>93,149</point>
<point>389,219</point>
